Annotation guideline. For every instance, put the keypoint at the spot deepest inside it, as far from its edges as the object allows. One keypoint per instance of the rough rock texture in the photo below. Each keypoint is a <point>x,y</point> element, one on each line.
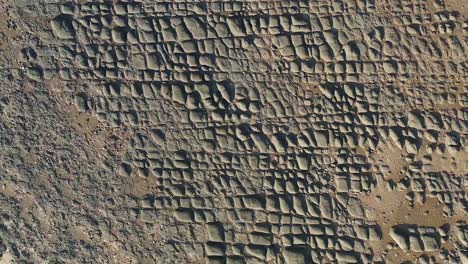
<point>253,131</point>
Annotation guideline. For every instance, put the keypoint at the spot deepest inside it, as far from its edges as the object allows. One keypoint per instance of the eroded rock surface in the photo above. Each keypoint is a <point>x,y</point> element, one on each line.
<point>233,131</point>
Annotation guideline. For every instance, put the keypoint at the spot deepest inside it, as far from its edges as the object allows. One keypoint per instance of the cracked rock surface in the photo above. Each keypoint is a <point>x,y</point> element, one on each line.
<point>246,131</point>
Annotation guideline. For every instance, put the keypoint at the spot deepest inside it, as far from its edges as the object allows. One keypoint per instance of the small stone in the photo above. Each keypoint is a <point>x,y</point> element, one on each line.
<point>81,102</point>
